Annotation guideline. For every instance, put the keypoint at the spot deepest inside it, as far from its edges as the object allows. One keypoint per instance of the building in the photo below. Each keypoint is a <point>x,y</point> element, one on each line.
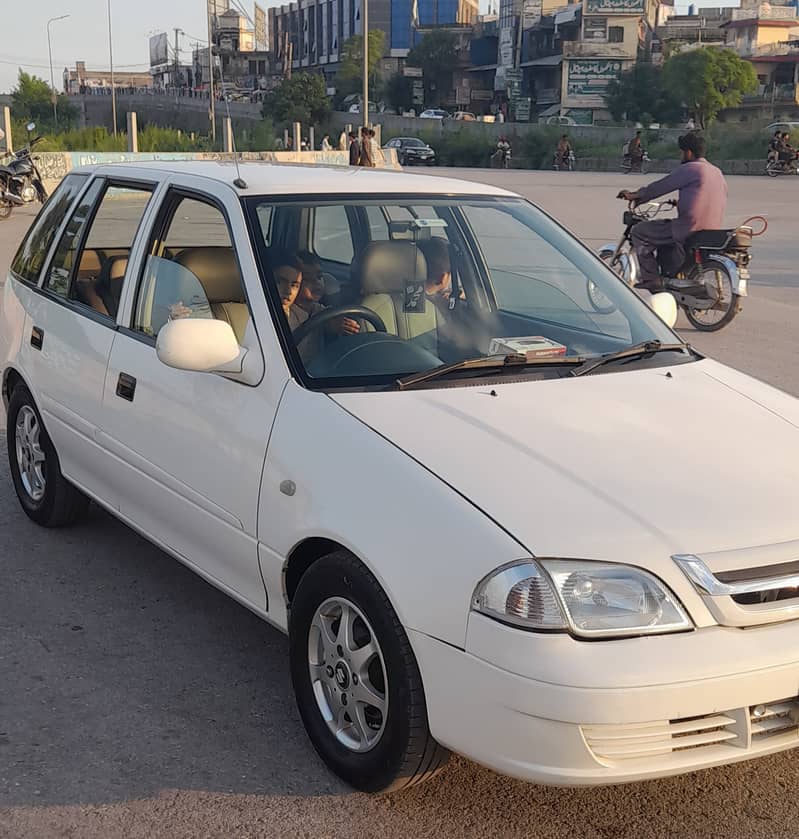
<point>676,33</point>
<point>310,34</point>
<point>83,80</point>
<point>614,35</point>
<point>768,36</point>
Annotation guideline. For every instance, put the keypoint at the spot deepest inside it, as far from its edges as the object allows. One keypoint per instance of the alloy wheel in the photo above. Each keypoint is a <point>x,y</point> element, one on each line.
<point>29,452</point>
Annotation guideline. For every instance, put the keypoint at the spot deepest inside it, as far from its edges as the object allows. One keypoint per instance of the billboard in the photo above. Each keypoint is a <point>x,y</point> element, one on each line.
<point>590,77</point>
<point>260,28</point>
<point>159,49</point>
<point>619,7</point>
<point>532,10</point>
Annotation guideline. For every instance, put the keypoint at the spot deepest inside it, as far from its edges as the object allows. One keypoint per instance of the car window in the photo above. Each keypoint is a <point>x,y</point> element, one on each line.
<point>32,252</point>
<point>94,275</point>
<point>332,237</point>
<point>192,270</point>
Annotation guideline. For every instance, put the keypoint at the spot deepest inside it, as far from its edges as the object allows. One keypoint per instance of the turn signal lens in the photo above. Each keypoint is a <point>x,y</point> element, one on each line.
<point>519,594</point>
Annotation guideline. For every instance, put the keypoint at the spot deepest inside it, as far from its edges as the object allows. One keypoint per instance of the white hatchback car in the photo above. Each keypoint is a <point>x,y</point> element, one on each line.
<point>380,411</point>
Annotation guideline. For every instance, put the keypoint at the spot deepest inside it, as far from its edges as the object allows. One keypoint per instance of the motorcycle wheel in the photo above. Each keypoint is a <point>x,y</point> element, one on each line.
<point>5,209</point>
<point>771,169</point>
<point>718,284</point>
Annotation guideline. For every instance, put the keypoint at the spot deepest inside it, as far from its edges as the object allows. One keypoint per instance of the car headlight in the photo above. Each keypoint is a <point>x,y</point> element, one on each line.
<point>590,599</point>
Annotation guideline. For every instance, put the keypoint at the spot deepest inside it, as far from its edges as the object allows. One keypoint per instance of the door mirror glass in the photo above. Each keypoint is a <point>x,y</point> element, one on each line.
<point>202,346</point>
<point>30,126</point>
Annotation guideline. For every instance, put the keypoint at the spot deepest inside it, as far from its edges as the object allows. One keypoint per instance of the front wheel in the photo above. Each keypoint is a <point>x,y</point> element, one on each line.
<point>772,169</point>
<point>724,303</point>
<point>357,684</point>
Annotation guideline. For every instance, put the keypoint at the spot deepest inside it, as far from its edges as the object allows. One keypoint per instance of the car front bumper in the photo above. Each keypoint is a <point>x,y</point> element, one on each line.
<point>550,709</point>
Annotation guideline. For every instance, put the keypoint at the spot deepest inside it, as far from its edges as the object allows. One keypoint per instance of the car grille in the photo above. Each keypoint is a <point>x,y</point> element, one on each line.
<point>740,729</point>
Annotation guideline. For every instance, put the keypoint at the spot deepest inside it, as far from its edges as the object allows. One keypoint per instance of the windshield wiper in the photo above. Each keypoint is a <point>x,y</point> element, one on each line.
<point>512,361</point>
<point>644,348</point>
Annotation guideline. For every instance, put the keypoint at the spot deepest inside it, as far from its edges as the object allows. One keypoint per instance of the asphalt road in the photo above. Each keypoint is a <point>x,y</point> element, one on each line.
<point>137,701</point>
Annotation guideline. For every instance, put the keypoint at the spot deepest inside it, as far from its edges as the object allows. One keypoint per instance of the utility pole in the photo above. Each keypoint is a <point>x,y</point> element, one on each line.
<point>178,33</point>
<point>52,76</point>
<point>111,59</point>
<point>365,21</point>
<point>212,109</point>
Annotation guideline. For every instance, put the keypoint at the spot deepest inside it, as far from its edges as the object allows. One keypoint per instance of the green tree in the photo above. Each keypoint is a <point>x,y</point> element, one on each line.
<point>399,92</point>
<point>32,100</point>
<point>707,80</point>
<point>639,93</point>
<point>436,54</point>
<point>302,98</point>
<point>349,77</point>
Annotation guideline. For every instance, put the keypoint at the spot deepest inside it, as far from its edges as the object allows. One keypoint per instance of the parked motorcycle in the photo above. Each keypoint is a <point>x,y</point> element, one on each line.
<point>629,165</point>
<point>709,278</point>
<point>564,164</point>
<point>774,168</point>
<point>20,180</point>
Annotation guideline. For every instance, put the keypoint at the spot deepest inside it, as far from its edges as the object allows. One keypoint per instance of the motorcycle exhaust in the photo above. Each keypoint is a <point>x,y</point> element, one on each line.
<point>13,199</point>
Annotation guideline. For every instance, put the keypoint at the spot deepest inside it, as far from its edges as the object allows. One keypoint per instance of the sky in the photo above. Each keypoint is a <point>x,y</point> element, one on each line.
<point>83,36</point>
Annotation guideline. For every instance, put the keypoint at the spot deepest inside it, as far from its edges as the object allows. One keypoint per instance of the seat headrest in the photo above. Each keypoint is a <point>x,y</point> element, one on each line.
<point>117,267</point>
<point>216,268</point>
<point>387,267</point>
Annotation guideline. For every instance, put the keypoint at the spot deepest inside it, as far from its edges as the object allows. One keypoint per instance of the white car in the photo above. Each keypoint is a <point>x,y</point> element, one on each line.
<point>491,519</point>
<point>433,113</point>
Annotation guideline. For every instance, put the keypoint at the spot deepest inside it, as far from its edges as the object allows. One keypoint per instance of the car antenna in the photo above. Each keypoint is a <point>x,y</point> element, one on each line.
<point>240,183</point>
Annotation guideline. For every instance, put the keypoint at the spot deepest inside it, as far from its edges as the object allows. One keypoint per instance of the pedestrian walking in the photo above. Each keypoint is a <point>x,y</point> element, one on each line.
<point>378,158</point>
<point>355,149</point>
<point>326,143</point>
<point>367,157</point>
<point>343,140</point>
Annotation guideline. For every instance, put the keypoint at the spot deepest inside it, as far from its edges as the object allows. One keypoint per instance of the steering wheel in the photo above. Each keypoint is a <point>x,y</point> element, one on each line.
<point>318,321</point>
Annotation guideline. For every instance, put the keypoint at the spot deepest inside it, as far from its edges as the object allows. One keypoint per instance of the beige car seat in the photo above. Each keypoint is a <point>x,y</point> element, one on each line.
<point>391,274</point>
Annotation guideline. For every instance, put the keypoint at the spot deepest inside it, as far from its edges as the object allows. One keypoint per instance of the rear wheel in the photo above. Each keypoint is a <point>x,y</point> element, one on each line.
<point>724,302</point>
<point>356,680</point>
<point>772,168</point>
<point>44,493</point>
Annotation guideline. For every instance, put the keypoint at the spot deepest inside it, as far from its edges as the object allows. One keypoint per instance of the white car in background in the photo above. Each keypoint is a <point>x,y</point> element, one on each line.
<point>491,519</point>
<point>433,113</point>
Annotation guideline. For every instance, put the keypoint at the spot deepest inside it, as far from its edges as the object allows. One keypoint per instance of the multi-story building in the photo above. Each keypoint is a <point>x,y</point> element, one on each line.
<point>614,35</point>
<point>82,80</point>
<point>310,34</point>
<point>699,28</point>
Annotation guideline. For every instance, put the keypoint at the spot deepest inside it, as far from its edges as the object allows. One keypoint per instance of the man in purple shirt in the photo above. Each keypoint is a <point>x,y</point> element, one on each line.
<point>703,198</point>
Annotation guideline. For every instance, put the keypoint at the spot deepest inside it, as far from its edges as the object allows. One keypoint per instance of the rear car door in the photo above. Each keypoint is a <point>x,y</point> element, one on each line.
<point>73,325</point>
<point>190,446</point>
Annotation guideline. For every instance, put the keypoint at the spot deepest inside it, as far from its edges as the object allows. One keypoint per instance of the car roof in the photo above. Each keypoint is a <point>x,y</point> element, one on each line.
<point>263,178</point>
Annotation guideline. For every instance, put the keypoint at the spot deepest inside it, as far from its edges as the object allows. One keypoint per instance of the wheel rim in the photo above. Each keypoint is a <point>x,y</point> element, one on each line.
<point>30,456</point>
<point>348,674</point>
<point>719,289</point>
<point>5,209</point>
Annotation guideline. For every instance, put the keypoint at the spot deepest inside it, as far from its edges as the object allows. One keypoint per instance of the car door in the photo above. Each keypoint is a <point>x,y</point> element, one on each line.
<point>72,330</point>
<point>191,446</point>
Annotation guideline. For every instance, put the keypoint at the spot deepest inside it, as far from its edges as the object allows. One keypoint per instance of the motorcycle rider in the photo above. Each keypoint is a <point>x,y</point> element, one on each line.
<point>635,151</point>
<point>786,151</point>
<point>503,150</point>
<point>702,201</point>
<point>774,145</point>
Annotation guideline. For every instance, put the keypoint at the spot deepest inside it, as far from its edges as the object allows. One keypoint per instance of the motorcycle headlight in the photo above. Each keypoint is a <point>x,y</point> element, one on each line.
<point>590,599</point>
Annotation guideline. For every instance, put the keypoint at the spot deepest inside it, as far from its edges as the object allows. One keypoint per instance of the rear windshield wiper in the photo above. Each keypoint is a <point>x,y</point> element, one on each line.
<point>492,362</point>
<point>642,349</point>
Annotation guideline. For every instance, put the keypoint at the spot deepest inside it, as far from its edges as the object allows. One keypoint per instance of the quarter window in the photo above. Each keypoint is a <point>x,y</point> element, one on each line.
<point>32,252</point>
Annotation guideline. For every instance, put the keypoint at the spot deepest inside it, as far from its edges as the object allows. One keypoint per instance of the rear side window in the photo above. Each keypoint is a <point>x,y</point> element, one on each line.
<point>32,252</point>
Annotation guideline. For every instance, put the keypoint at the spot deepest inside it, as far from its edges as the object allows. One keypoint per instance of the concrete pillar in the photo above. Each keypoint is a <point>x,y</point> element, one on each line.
<point>227,132</point>
<point>311,139</point>
<point>193,137</point>
<point>296,132</point>
<point>378,134</point>
<point>133,133</point>
<point>348,128</point>
<point>6,126</point>
<point>285,138</point>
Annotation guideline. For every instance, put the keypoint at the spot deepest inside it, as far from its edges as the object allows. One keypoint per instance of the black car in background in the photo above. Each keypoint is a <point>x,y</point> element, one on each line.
<point>412,150</point>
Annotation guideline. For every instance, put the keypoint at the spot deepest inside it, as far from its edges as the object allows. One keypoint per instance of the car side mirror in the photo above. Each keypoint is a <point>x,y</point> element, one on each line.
<point>665,307</point>
<point>200,345</point>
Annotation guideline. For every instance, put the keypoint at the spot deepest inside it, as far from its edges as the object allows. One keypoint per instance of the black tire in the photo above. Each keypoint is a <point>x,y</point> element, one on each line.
<point>729,314</point>
<point>405,753</point>
<point>61,504</point>
<point>5,209</point>
<point>772,169</point>
<point>403,161</point>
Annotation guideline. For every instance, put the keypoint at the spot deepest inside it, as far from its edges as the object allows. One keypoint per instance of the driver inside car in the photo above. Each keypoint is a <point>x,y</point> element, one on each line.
<point>311,292</point>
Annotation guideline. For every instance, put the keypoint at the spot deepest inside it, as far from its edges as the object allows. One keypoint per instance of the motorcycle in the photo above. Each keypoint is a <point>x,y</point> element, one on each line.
<point>501,158</point>
<point>776,167</point>
<point>20,180</point>
<point>707,281</point>
<point>628,165</point>
<point>564,164</point>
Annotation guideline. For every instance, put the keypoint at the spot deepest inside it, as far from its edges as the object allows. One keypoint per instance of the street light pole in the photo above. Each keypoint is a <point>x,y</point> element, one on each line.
<point>212,107</point>
<point>111,59</point>
<point>365,22</point>
<point>52,76</point>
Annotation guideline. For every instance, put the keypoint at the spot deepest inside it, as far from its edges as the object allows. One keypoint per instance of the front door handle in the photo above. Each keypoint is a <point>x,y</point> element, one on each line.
<point>37,338</point>
<point>126,386</point>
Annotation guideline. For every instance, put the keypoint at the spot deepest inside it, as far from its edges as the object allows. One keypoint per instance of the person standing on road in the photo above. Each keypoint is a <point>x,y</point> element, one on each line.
<point>326,143</point>
<point>378,158</point>
<point>366,158</point>
<point>343,140</point>
<point>701,205</point>
<point>355,149</point>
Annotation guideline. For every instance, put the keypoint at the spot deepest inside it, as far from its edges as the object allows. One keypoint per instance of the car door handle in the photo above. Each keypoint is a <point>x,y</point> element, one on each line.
<point>37,338</point>
<point>126,386</point>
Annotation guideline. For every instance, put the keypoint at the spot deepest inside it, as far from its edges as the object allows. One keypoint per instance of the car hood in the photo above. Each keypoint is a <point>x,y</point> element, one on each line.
<point>630,466</point>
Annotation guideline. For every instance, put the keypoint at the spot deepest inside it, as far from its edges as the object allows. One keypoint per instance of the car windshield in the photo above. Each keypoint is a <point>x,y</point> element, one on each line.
<point>413,144</point>
<point>367,291</point>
